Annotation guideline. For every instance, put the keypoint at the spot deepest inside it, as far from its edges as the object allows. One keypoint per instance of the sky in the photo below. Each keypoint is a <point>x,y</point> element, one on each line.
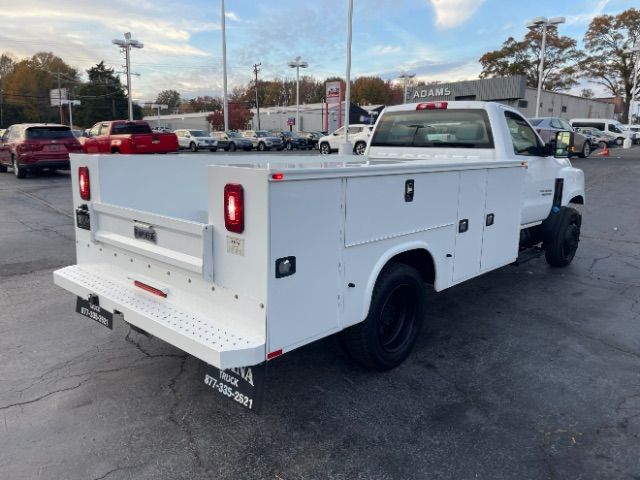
<point>435,39</point>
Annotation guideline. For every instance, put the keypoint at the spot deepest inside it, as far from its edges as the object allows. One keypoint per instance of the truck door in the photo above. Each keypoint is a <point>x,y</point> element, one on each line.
<point>541,171</point>
<point>91,143</point>
<point>103,139</point>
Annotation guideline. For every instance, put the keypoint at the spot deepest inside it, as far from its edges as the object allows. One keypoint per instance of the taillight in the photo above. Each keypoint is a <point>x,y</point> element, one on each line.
<point>432,106</point>
<point>83,183</point>
<point>234,207</point>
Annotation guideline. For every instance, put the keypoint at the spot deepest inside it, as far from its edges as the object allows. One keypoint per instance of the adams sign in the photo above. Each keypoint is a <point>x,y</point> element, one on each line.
<point>432,92</point>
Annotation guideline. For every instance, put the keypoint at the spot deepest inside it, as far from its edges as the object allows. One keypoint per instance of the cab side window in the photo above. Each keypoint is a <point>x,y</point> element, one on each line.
<point>94,130</point>
<point>524,139</point>
<point>104,129</point>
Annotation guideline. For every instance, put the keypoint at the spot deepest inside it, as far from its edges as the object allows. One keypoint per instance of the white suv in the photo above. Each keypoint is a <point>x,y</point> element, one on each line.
<point>359,134</point>
<point>194,140</point>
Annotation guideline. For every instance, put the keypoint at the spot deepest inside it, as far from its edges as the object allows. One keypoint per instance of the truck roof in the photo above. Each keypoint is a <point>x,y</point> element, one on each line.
<point>449,105</point>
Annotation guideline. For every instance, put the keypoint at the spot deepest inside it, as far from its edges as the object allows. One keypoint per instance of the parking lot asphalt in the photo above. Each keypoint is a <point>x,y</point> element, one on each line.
<point>524,373</point>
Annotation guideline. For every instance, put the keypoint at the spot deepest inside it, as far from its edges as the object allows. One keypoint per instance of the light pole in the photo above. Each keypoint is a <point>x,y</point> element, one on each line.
<point>634,52</point>
<point>159,106</point>
<point>346,148</point>
<point>298,64</point>
<point>405,77</point>
<point>225,101</point>
<point>126,46</point>
<point>545,23</point>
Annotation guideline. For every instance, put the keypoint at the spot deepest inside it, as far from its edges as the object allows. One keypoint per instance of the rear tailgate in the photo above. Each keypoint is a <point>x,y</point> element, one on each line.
<point>127,248</point>
<point>154,143</point>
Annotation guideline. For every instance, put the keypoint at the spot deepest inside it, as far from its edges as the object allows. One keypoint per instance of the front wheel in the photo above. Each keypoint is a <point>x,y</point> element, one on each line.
<point>289,146</point>
<point>586,150</point>
<point>359,148</point>
<point>385,338</point>
<point>325,149</point>
<point>619,141</point>
<point>562,236</point>
<point>3,168</point>
<point>262,147</point>
<point>232,147</point>
<point>193,147</point>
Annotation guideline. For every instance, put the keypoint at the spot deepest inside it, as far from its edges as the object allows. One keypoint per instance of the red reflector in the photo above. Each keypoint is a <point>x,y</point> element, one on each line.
<point>274,354</point>
<point>277,176</point>
<point>150,289</point>
<point>83,183</point>
<point>234,207</point>
<point>432,106</point>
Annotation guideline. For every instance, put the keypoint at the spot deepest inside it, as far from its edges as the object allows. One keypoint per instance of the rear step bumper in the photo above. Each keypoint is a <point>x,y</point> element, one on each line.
<point>203,338</point>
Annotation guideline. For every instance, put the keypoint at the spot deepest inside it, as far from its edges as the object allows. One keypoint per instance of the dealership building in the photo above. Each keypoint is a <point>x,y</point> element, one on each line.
<point>512,91</point>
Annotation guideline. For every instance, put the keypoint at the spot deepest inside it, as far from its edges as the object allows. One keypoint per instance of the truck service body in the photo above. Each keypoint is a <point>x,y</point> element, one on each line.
<point>241,262</point>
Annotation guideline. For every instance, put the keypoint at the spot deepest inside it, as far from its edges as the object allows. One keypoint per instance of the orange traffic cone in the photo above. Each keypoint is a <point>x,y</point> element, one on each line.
<point>604,152</point>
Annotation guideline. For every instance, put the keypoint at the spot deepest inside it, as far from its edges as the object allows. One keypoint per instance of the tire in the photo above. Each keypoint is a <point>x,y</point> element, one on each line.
<point>586,150</point>
<point>262,147</point>
<point>359,148</point>
<point>232,147</point>
<point>213,149</point>
<point>603,144</point>
<point>193,147</point>
<point>325,149</point>
<point>385,338</point>
<point>619,141</point>
<point>3,168</point>
<point>562,236</point>
<point>289,146</point>
<point>17,170</point>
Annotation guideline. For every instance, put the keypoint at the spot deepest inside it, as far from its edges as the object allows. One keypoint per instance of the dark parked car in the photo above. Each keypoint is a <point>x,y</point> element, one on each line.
<point>292,140</point>
<point>548,126</point>
<point>37,146</point>
<point>312,138</point>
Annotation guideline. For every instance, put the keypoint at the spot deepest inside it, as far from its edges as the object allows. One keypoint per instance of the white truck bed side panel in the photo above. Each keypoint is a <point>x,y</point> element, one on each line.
<point>242,269</point>
<point>306,223</point>
<point>363,264</point>
<point>376,206</point>
<point>468,244</point>
<point>500,240</point>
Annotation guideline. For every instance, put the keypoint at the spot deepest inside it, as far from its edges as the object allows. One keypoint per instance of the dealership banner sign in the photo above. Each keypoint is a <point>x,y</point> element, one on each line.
<point>333,92</point>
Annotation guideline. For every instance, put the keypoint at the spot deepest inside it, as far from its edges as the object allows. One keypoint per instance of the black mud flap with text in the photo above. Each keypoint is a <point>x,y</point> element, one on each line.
<point>243,385</point>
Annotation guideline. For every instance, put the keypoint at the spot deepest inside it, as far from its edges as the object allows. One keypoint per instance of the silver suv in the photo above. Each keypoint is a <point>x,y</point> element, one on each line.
<point>548,126</point>
<point>263,140</point>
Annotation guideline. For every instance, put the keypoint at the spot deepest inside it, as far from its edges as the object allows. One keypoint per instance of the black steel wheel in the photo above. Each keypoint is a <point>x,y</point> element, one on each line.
<point>562,236</point>
<point>385,338</point>
<point>193,147</point>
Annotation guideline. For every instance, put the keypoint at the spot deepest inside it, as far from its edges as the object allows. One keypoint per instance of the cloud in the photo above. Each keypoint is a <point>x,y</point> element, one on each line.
<point>383,50</point>
<point>451,13</point>
<point>584,18</point>
<point>232,16</point>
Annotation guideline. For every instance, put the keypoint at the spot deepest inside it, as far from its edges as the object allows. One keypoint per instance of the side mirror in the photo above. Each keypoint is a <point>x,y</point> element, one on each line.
<point>563,147</point>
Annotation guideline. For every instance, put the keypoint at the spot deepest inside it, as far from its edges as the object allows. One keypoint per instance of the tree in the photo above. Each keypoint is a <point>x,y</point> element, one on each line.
<point>103,98</point>
<point>368,90</point>
<point>170,98</point>
<point>587,93</point>
<point>239,117</point>
<point>29,82</point>
<point>607,64</point>
<point>201,104</point>
<point>561,59</point>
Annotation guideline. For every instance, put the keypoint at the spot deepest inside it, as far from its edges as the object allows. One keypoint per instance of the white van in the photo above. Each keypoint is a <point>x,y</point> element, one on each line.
<point>606,125</point>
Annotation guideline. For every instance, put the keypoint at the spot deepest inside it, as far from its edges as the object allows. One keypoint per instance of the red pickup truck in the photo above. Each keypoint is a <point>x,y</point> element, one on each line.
<point>122,136</point>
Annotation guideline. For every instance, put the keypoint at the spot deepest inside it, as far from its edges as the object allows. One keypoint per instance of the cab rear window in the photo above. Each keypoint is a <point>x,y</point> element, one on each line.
<point>48,133</point>
<point>463,128</point>
<point>130,128</point>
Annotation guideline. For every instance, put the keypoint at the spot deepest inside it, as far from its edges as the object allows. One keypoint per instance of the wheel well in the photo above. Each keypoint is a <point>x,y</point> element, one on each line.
<point>421,260</point>
<point>579,200</point>
<point>115,150</point>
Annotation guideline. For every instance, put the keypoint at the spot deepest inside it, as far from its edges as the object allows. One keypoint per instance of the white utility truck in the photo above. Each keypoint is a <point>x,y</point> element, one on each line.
<point>241,262</point>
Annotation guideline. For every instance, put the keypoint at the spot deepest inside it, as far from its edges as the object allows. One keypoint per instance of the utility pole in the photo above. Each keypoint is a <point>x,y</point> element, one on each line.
<point>60,99</point>
<point>126,46</point>
<point>225,101</point>
<point>256,69</point>
<point>1,108</point>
